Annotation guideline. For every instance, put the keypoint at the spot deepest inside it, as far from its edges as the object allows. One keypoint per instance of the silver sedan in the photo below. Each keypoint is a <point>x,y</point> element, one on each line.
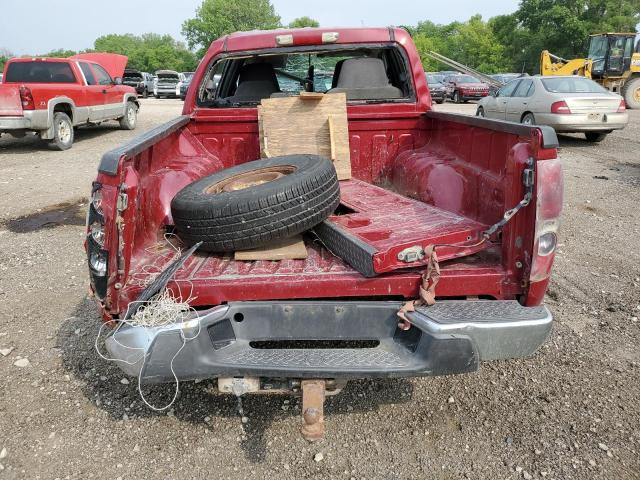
<point>568,104</point>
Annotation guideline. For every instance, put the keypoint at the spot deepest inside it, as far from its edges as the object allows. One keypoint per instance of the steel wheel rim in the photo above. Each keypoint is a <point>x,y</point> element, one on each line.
<point>64,131</point>
<point>527,120</point>
<point>131,115</point>
<point>250,179</point>
<point>636,94</point>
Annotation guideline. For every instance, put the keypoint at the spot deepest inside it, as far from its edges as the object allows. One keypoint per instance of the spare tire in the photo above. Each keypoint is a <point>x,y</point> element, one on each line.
<point>256,203</point>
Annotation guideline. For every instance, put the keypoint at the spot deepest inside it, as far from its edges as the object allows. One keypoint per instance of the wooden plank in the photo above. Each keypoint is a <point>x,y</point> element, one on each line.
<point>292,125</point>
<point>332,138</point>
<point>311,95</point>
<point>289,249</point>
<point>263,148</point>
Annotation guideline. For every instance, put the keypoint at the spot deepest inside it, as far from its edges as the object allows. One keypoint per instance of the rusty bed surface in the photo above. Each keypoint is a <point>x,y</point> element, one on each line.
<point>382,224</point>
<point>214,279</point>
<point>381,216</point>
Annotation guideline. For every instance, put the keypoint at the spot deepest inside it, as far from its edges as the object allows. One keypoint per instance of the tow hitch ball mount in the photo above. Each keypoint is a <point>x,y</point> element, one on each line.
<point>313,394</point>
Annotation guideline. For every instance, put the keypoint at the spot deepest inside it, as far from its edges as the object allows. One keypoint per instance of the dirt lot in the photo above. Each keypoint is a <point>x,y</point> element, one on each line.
<point>571,411</point>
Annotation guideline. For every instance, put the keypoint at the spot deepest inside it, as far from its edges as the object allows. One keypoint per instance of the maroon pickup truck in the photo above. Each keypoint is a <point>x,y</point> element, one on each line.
<point>295,324</point>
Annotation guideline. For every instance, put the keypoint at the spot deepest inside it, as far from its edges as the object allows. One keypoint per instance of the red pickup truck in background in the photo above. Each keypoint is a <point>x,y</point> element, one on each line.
<point>51,96</point>
<point>264,325</point>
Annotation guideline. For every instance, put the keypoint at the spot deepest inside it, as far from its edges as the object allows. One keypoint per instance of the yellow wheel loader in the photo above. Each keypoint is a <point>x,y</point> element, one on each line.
<point>612,62</point>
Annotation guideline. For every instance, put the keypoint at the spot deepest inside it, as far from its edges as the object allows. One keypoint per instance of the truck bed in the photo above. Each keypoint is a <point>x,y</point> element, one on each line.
<point>386,219</point>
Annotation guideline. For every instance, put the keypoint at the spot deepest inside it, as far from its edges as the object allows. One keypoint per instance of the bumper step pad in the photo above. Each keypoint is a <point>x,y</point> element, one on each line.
<point>338,359</point>
<point>482,311</point>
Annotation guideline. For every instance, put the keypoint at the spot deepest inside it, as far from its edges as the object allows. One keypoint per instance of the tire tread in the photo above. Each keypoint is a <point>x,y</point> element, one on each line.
<point>248,219</point>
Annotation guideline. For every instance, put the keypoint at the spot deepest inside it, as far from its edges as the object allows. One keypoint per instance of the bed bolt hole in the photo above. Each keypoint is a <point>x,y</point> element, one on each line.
<point>238,317</point>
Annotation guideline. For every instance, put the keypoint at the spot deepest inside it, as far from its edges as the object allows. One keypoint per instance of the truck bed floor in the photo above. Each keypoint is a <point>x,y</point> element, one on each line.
<point>383,218</point>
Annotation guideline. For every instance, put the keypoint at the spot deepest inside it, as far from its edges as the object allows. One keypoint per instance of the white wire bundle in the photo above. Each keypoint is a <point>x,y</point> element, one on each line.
<point>162,310</point>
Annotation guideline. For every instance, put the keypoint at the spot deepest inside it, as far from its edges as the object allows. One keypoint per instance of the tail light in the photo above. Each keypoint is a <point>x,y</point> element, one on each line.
<point>623,107</point>
<point>97,256</point>
<point>26,98</point>
<point>549,206</point>
<point>561,108</point>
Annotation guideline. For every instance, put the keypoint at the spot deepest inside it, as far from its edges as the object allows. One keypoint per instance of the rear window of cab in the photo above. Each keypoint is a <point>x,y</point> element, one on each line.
<point>572,85</point>
<point>39,72</point>
<point>365,73</point>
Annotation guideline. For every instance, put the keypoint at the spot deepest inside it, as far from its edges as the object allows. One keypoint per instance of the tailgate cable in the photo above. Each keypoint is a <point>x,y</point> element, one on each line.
<point>431,276</point>
<point>528,175</point>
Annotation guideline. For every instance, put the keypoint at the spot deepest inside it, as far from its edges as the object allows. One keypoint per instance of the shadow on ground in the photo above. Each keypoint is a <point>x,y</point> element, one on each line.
<point>102,386</point>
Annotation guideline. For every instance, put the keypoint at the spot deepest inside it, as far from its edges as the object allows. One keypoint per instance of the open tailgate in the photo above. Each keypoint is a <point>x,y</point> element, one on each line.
<point>382,231</point>
<point>10,103</point>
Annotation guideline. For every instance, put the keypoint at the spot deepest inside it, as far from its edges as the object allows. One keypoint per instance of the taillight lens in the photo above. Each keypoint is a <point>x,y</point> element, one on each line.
<point>549,207</point>
<point>96,230</point>
<point>547,243</point>
<point>26,98</point>
<point>623,107</point>
<point>561,108</point>
<point>96,200</point>
<point>98,262</point>
<point>95,243</point>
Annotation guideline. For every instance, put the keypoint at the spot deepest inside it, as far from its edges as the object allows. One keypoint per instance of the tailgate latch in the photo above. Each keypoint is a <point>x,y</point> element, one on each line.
<point>411,254</point>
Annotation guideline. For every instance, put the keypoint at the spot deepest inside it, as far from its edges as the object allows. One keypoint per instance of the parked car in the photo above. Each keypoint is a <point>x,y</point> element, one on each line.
<point>435,76</point>
<point>134,79</point>
<point>51,96</point>
<point>507,77</point>
<point>183,84</point>
<point>311,324</point>
<point>436,88</point>
<point>141,81</point>
<point>568,104</point>
<point>149,80</point>
<point>166,84</point>
<point>504,78</point>
<point>462,88</point>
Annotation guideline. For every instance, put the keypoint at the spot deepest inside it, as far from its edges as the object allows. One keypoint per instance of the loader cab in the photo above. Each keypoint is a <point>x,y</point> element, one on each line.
<point>611,54</point>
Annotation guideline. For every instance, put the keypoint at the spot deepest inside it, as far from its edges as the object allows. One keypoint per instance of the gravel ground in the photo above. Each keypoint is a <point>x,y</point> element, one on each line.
<point>570,412</point>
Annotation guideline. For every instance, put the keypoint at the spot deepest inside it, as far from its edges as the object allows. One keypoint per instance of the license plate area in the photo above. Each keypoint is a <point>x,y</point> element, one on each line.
<point>595,117</point>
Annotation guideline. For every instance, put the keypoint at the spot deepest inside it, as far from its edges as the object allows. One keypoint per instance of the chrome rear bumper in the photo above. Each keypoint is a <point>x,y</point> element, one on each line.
<point>259,339</point>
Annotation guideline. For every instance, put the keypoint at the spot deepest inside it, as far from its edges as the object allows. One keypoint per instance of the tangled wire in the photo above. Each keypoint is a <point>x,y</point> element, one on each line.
<point>162,311</point>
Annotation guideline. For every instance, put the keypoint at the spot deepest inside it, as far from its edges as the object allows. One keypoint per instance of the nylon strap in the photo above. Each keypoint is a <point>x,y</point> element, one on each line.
<point>427,293</point>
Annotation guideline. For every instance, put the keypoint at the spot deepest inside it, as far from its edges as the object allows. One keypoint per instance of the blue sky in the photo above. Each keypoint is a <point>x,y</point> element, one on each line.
<point>38,26</point>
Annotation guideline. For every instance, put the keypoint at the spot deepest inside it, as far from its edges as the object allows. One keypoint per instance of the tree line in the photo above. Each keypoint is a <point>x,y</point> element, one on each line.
<point>147,52</point>
<point>510,42</point>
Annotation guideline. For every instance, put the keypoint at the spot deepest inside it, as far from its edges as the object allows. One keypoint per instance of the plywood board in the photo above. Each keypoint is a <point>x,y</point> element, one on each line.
<point>315,125</point>
<point>289,249</point>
